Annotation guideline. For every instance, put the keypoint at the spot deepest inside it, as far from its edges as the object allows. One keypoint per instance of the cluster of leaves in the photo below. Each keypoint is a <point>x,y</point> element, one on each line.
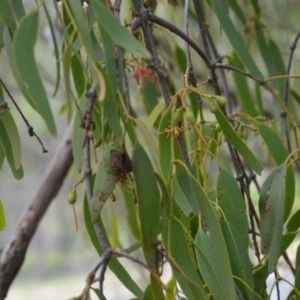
<point>215,241</point>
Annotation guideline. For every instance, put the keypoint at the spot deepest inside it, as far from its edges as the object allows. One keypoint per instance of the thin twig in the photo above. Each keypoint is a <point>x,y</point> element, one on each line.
<point>91,96</point>
<point>31,132</point>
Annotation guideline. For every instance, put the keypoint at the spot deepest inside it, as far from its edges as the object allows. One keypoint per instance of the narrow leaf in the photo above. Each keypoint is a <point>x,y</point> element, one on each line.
<point>235,37</point>
<point>7,146</point>
<point>148,203</point>
<point>237,142</point>
<point>271,208</point>
<point>13,135</point>
<point>24,40</point>
<point>148,136</point>
<point>233,204</point>
<point>117,32</point>
<point>164,144</point>
<point>280,153</point>
<point>78,136</point>
<point>2,216</point>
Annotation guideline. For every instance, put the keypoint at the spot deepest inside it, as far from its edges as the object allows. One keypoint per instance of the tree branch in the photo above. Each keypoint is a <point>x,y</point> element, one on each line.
<point>14,253</point>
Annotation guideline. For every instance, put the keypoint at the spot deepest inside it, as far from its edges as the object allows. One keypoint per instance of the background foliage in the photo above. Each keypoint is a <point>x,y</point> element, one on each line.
<point>200,96</point>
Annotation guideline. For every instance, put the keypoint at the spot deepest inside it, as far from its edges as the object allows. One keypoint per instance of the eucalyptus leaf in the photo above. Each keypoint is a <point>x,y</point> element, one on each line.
<point>271,208</point>
<point>237,142</point>
<point>24,41</point>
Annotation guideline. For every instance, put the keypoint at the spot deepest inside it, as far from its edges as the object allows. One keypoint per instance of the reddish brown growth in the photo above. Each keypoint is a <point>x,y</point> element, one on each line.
<point>121,163</point>
<point>143,72</point>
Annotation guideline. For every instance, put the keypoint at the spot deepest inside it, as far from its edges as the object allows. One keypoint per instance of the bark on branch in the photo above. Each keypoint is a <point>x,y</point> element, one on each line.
<point>13,255</point>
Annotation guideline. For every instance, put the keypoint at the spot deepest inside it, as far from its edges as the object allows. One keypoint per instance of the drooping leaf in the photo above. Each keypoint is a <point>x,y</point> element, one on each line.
<point>164,144</point>
<point>239,260</point>
<point>147,135</point>
<point>78,74</point>
<point>260,274</point>
<point>208,265</point>
<point>7,146</point>
<point>149,211</point>
<point>14,137</point>
<point>217,238</point>
<point>237,142</point>
<point>24,41</point>
<point>2,216</point>
<point>55,46</point>
<point>235,37</point>
<point>180,251</point>
<point>117,32</point>
<point>18,8</point>
<point>271,208</point>
<point>233,204</point>
<point>7,15</point>
<point>78,136</point>
<point>294,222</point>
<point>110,107</point>
<point>280,153</point>
<point>105,181</point>
<point>77,15</point>
<point>148,203</point>
<point>241,83</point>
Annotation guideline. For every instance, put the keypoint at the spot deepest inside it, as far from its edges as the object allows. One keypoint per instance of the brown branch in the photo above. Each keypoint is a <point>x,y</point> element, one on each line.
<point>14,253</point>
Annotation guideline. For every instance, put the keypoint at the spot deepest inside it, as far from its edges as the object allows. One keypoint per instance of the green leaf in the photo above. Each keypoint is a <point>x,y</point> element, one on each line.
<point>18,8</point>
<point>181,199</point>
<point>105,181</point>
<point>2,216</point>
<point>149,211</point>
<point>11,60</point>
<point>14,137</point>
<point>260,274</point>
<point>7,146</point>
<point>78,136</point>
<point>78,74</point>
<point>271,208</point>
<point>77,16</point>
<point>215,233</point>
<point>7,15</point>
<point>238,11</point>
<point>24,40</point>
<point>279,153</point>
<point>2,155</point>
<point>131,217</point>
<point>115,30</point>
<point>110,107</point>
<point>147,135</point>
<point>55,45</point>
<point>233,204</point>
<point>235,37</point>
<point>208,265</point>
<point>237,142</point>
<point>241,83</point>
<point>184,183</point>
<point>286,241</point>
<point>165,144</point>
<point>239,260</point>
<point>148,203</point>
<point>180,250</point>
<point>110,61</point>
<point>294,222</point>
